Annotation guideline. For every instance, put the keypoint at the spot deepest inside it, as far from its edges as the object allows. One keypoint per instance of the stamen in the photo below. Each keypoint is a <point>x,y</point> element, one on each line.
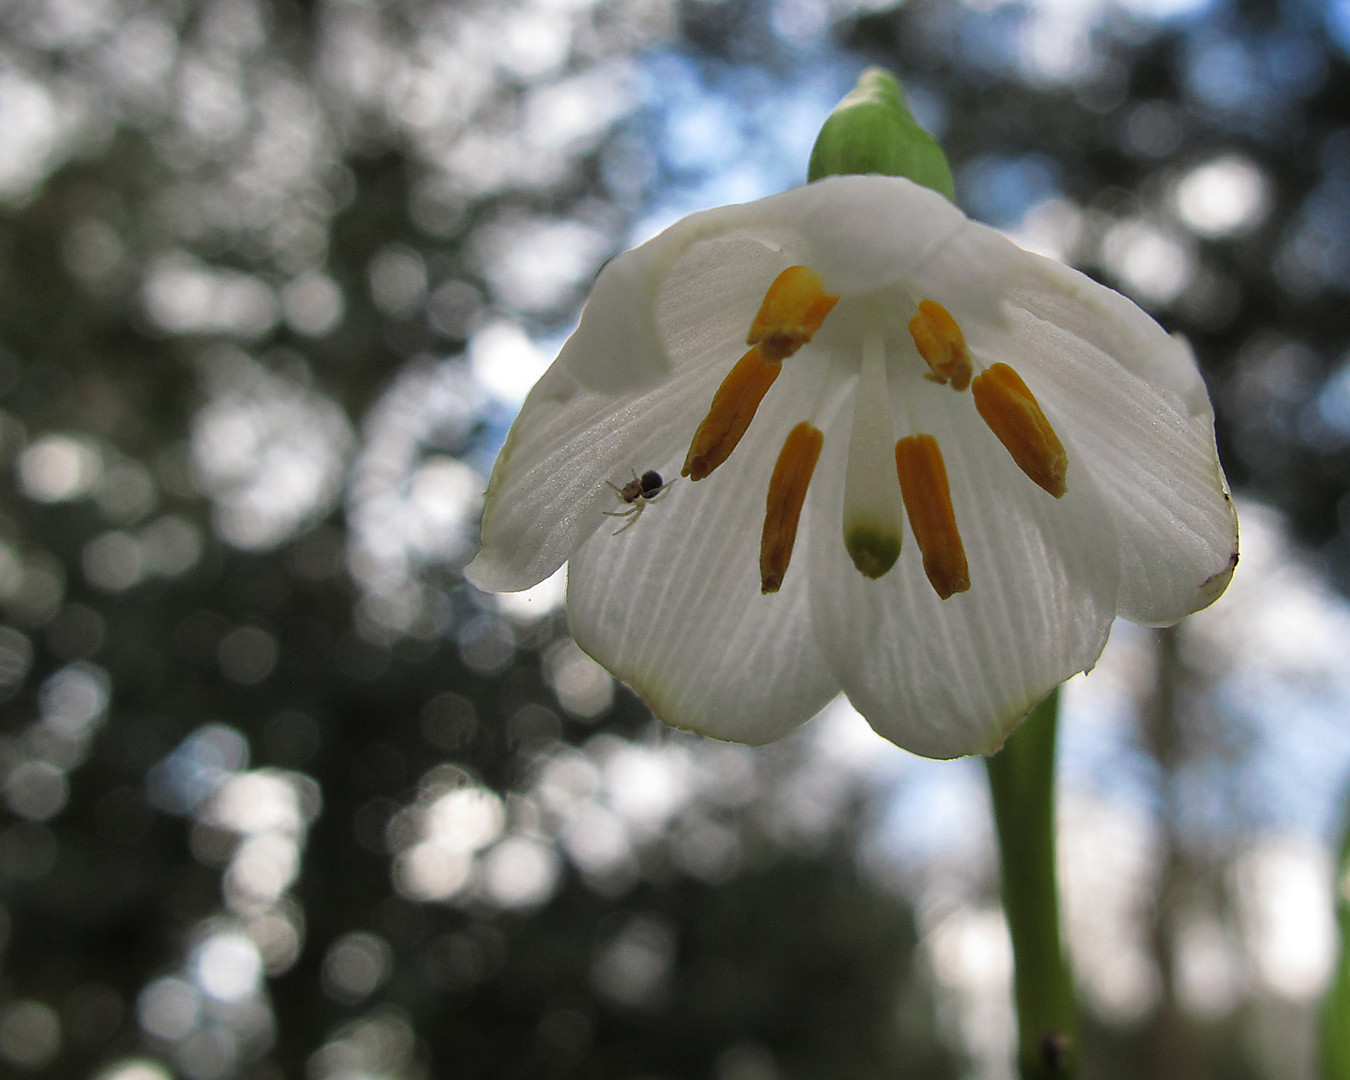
<point>928,500</point>
<point>873,514</point>
<point>1015,416</point>
<point>793,310</point>
<point>941,344</point>
<point>733,407</point>
<point>787,492</point>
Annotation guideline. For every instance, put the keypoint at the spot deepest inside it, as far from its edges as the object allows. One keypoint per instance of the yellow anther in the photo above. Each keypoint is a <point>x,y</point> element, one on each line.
<point>928,502</point>
<point>733,407</point>
<point>787,493</point>
<point>1015,416</point>
<point>941,344</point>
<point>793,310</point>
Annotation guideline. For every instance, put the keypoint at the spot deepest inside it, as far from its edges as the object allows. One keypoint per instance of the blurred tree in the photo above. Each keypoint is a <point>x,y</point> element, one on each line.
<point>282,796</point>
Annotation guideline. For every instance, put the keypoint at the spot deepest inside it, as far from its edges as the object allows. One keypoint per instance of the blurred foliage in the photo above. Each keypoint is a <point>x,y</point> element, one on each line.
<point>282,795</point>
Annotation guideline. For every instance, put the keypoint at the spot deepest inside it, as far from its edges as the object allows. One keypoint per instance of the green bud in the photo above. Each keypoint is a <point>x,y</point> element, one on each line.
<point>873,131</point>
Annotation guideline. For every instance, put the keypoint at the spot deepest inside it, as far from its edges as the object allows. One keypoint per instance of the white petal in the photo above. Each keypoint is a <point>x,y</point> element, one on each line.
<point>656,308</point>
<point>673,607</point>
<point>680,299</point>
<point>862,233</point>
<point>550,487</point>
<point>1128,402</point>
<point>949,677</point>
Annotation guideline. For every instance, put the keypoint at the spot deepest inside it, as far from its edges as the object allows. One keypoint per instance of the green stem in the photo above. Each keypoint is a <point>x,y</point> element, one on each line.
<point>1022,785</point>
<point>1336,1007</point>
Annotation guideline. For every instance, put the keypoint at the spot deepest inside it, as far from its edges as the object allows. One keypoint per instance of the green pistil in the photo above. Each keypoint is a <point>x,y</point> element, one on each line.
<point>873,551</point>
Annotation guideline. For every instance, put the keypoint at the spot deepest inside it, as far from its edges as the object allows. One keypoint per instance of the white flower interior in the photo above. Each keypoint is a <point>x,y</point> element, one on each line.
<point>864,344</point>
<point>1084,484</point>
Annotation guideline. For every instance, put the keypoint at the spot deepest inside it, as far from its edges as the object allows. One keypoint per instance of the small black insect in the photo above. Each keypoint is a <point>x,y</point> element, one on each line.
<point>637,494</point>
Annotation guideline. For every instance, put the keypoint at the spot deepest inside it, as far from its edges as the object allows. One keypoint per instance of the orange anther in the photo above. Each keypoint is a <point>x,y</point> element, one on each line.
<point>928,502</point>
<point>733,407</point>
<point>793,310</point>
<point>787,493</point>
<point>941,344</point>
<point>1015,416</point>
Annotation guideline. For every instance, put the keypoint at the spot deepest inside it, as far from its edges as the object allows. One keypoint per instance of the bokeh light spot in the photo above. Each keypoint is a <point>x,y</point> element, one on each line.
<point>55,468</point>
<point>248,654</point>
<point>398,280</point>
<point>126,492</point>
<point>467,819</point>
<point>113,561</point>
<point>1150,263</point>
<point>183,295</point>
<point>635,966</point>
<point>169,1008</point>
<point>312,304</point>
<point>521,872</point>
<point>227,967</point>
<point>584,688</point>
<point>1224,197</point>
<point>355,966</point>
<point>74,699</point>
<point>36,790</point>
<point>135,1069</point>
<point>428,871</point>
<point>536,602</point>
<point>30,1034</point>
<point>210,1053</point>
<point>170,545</point>
<point>381,1044</point>
<point>263,867</point>
<point>16,657</point>
<point>506,361</point>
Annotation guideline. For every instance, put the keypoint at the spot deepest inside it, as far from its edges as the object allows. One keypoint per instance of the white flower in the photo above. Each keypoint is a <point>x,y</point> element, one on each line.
<point>1042,447</point>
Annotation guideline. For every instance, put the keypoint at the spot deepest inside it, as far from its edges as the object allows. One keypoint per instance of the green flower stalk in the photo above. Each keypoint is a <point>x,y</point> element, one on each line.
<point>1336,1006</point>
<point>1022,787</point>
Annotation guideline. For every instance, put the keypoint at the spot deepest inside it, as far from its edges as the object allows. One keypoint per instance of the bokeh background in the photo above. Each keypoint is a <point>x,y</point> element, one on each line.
<point>281,796</point>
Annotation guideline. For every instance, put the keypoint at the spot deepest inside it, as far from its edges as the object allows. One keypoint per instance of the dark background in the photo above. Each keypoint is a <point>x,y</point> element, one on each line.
<point>281,796</point>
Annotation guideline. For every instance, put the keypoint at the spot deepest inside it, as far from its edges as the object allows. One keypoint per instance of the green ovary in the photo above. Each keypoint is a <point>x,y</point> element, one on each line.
<point>872,550</point>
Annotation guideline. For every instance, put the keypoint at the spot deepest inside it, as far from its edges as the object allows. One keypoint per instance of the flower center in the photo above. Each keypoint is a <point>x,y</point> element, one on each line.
<point>875,497</point>
<point>793,310</point>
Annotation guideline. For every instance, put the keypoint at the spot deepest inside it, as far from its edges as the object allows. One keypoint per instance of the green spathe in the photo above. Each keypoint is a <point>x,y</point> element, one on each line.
<point>873,131</point>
